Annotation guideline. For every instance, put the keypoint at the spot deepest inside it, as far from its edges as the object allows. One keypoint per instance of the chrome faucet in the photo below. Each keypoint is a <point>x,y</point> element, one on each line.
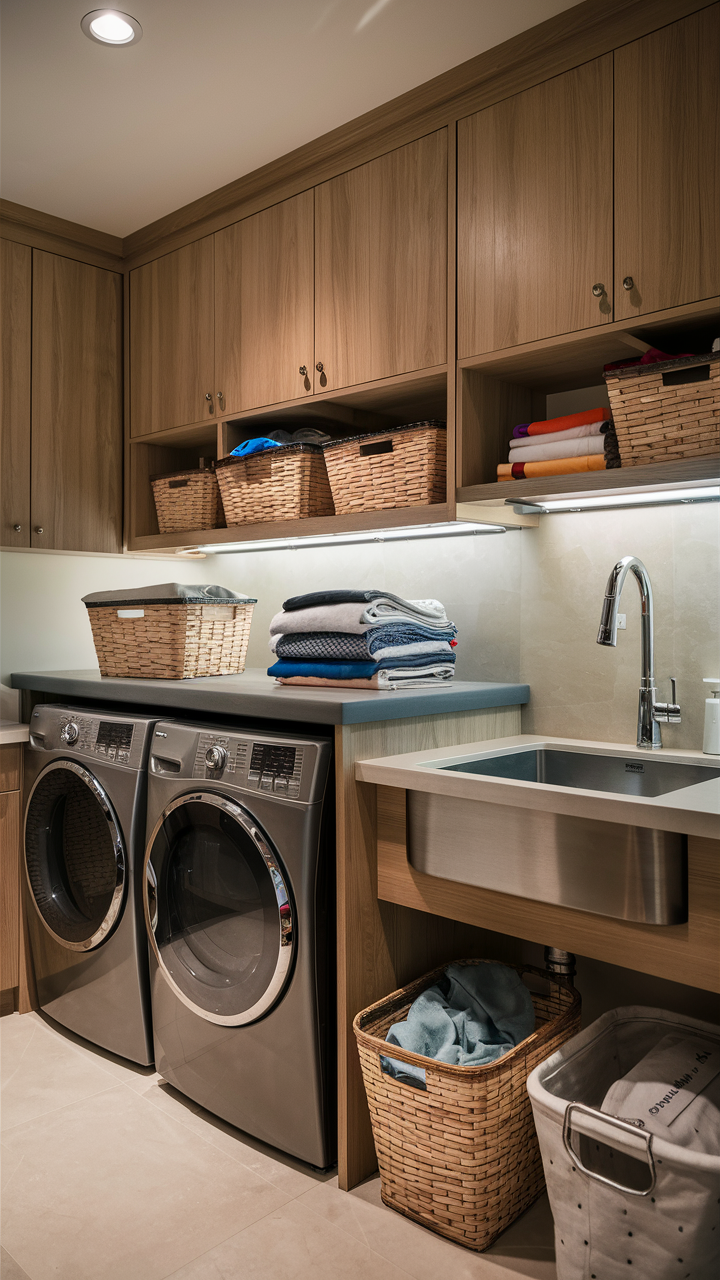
<point>650,712</point>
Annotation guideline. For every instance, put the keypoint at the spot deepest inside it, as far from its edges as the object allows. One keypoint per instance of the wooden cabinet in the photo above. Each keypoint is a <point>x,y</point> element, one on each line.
<point>381,266</point>
<point>667,184</point>
<point>76,465</point>
<point>9,876</point>
<point>15,337</point>
<point>264,306</point>
<point>172,344</point>
<point>535,212</point>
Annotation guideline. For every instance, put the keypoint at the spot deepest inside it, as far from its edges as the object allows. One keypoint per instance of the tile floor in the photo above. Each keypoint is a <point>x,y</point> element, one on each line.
<point>110,1174</point>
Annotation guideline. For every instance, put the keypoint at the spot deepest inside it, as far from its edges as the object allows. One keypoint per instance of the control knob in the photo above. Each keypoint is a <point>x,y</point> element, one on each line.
<point>215,758</point>
<point>69,734</point>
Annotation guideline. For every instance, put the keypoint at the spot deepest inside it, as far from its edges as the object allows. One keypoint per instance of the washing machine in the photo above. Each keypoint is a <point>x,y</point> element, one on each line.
<point>86,778</point>
<point>239,909</point>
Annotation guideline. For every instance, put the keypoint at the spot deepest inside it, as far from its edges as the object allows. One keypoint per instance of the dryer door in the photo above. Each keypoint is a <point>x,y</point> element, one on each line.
<point>74,856</point>
<point>218,909</point>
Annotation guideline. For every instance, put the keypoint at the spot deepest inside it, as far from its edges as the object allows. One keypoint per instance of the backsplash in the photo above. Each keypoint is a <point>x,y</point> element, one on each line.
<point>527,606</point>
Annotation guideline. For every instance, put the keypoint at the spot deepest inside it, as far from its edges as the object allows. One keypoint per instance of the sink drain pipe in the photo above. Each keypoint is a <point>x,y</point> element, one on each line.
<point>560,962</point>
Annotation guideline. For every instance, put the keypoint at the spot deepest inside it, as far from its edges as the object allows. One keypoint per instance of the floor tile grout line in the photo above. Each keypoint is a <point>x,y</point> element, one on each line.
<point>22,1055</point>
<point>43,1115</point>
<point>17,1264</point>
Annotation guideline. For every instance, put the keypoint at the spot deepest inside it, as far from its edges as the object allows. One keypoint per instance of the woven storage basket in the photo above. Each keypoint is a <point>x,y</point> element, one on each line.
<point>666,411</point>
<point>171,641</point>
<point>462,1156</point>
<point>286,483</point>
<point>187,500</point>
<point>400,467</point>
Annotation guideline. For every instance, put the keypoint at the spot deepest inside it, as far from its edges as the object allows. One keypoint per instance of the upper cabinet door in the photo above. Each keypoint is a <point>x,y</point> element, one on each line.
<point>264,306</point>
<point>15,336</point>
<point>535,212</point>
<point>172,340</point>
<point>667,188</point>
<point>76,405</point>
<point>381,266</point>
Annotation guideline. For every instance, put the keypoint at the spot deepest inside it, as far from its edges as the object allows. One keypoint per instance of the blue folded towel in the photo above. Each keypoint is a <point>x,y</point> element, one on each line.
<point>470,1017</point>
<point>259,445</point>
<point>329,670</point>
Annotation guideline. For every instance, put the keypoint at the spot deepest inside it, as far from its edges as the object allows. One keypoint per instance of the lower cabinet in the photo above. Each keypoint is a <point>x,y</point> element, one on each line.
<point>9,877</point>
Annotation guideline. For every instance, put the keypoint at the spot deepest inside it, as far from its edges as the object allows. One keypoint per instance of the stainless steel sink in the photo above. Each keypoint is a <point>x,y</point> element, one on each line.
<point>625,776</point>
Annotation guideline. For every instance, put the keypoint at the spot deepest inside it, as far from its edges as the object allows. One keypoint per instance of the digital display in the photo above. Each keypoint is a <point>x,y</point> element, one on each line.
<point>114,735</point>
<point>268,758</point>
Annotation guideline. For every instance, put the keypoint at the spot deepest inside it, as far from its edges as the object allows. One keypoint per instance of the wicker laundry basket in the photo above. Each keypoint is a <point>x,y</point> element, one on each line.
<point>187,500</point>
<point>668,410</point>
<point>175,637</point>
<point>286,483</point>
<point>400,467</point>
<point>461,1156</point>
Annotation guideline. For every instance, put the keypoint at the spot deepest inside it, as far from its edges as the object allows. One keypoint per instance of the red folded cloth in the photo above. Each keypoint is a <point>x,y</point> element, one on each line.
<point>569,420</point>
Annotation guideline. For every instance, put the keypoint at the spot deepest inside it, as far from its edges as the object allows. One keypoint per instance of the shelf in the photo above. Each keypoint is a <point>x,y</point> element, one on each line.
<point>687,473</point>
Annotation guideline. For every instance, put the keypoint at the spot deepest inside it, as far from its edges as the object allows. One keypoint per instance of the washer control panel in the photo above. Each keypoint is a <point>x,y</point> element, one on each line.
<point>262,765</point>
<point>94,736</point>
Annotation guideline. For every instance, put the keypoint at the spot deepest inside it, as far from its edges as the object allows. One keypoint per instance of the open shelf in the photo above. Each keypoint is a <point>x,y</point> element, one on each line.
<point>687,472</point>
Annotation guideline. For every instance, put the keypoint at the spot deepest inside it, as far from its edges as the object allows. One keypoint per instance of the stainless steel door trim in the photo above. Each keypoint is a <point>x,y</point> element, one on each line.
<point>116,901</point>
<point>282,897</point>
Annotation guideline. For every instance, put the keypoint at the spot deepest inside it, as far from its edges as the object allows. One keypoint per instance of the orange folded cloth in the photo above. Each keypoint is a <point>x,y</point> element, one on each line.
<point>553,467</point>
<point>569,420</point>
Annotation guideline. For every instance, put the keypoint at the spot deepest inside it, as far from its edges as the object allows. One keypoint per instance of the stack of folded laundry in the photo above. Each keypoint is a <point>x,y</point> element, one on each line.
<point>576,442</point>
<point>362,640</point>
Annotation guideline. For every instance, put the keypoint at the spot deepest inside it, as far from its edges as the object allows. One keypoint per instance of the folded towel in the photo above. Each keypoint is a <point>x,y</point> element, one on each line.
<point>551,437</point>
<point>558,449</point>
<point>318,646</point>
<point>674,1092</point>
<point>420,678</point>
<point>562,424</point>
<point>558,467</point>
<point>424,608</point>
<point>330,670</point>
<point>258,445</point>
<point>357,618</point>
<point>472,1016</point>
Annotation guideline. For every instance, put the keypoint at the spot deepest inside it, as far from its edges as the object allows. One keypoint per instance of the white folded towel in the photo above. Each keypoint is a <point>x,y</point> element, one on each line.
<point>573,433</point>
<point>357,618</point>
<point>562,449</point>
<point>674,1092</point>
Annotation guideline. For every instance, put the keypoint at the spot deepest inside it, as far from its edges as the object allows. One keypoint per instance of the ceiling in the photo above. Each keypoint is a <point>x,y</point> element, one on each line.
<point>114,138</point>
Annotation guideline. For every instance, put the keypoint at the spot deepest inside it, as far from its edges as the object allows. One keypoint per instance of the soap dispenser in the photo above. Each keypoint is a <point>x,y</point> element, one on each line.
<point>711,737</point>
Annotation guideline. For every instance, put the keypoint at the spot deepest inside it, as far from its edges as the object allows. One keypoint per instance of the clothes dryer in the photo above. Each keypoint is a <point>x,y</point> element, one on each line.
<point>83,845</point>
<point>239,908</point>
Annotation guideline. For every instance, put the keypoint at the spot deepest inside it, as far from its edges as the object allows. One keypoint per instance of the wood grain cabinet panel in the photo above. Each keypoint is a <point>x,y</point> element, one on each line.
<point>77,406</point>
<point>15,340</point>
<point>667,184</point>
<point>9,889</point>
<point>172,341</point>
<point>264,323</point>
<point>535,212</point>
<point>381,266</point>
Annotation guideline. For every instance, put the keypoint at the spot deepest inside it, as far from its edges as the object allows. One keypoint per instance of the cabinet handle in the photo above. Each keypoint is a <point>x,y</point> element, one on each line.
<point>17,528</point>
<point>319,366</point>
<point>303,371</point>
<point>39,528</point>
<point>221,398</point>
<point>208,397</point>
<point>598,290</point>
<point>628,283</point>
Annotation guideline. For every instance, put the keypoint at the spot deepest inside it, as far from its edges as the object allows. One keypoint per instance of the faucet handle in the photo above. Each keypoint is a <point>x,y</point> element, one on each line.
<point>668,712</point>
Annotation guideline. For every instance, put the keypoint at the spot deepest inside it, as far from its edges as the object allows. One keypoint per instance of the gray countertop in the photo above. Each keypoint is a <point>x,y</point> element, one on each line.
<point>258,695</point>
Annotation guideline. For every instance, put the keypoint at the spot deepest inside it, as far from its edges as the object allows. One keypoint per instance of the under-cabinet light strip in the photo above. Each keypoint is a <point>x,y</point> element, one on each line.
<point>404,534</point>
<point>598,502</point>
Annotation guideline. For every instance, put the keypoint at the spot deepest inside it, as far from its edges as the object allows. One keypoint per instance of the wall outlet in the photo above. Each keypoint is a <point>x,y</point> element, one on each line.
<point>622,624</point>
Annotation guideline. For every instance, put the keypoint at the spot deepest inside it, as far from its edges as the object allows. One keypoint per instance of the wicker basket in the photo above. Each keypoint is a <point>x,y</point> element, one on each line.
<point>400,467</point>
<point>187,500</point>
<point>171,641</point>
<point>668,410</point>
<point>461,1157</point>
<point>286,483</point>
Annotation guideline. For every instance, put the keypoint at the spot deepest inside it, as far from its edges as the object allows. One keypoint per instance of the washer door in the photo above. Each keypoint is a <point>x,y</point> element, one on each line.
<point>74,856</point>
<point>218,910</point>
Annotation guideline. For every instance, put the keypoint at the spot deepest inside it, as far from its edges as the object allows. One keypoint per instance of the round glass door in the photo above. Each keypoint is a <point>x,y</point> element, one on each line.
<point>74,856</point>
<point>218,909</point>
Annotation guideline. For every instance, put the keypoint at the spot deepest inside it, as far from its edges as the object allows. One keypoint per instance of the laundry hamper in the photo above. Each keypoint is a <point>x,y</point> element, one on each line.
<point>286,483</point>
<point>171,631</point>
<point>400,467</point>
<point>461,1156</point>
<point>625,1202</point>
<point>187,500</point>
<point>667,410</point>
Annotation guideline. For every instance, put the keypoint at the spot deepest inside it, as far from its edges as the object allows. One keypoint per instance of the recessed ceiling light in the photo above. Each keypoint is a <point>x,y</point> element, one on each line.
<point>111,26</point>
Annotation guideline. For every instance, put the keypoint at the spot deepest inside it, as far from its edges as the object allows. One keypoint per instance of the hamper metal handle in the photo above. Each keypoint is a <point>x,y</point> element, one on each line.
<point>614,1123</point>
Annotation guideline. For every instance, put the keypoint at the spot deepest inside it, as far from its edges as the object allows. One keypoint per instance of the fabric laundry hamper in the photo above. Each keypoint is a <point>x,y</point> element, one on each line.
<point>401,467</point>
<point>625,1201</point>
<point>461,1156</point>
<point>171,631</point>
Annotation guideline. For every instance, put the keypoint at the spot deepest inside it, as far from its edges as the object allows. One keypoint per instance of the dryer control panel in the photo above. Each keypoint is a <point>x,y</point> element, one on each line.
<point>271,764</point>
<point>97,736</point>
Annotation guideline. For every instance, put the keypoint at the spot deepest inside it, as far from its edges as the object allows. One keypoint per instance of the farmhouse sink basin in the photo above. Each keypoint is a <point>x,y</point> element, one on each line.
<point>588,770</point>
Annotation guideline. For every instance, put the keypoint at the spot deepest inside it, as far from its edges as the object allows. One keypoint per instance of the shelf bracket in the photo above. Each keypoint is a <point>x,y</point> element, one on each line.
<point>495,512</point>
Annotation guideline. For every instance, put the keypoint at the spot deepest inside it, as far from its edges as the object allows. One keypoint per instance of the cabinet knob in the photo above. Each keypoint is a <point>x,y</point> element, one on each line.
<point>17,528</point>
<point>319,366</point>
<point>303,371</point>
<point>221,399</point>
<point>39,528</point>
<point>598,290</point>
<point>208,397</point>
<point>628,283</point>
